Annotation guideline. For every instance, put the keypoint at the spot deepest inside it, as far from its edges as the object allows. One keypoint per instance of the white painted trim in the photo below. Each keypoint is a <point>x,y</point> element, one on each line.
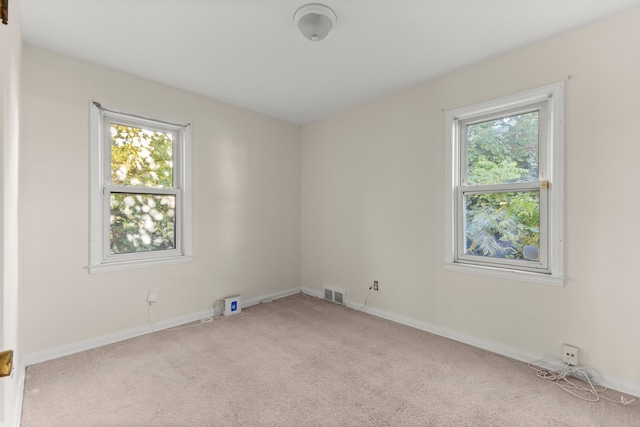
<point>68,349</point>
<point>17,413</point>
<point>621,385</point>
<point>553,172</point>
<point>503,273</point>
<point>187,193</point>
<point>131,265</point>
<point>607,381</point>
<point>314,293</point>
<point>275,295</point>
<point>511,352</point>
<point>100,188</point>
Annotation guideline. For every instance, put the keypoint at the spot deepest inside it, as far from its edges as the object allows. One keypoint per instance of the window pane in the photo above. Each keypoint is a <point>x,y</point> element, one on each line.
<point>503,150</point>
<point>141,157</point>
<point>142,222</point>
<point>503,225</point>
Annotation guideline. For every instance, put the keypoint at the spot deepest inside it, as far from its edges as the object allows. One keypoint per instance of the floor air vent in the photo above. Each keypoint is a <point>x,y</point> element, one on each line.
<point>336,295</point>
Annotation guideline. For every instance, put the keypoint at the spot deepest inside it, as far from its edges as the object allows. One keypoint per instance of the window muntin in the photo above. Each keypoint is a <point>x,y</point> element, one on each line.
<point>140,204</point>
<point>503,199</point>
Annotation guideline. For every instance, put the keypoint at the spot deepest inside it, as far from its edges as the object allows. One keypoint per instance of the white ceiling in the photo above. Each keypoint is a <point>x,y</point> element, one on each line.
<point>249,53</point>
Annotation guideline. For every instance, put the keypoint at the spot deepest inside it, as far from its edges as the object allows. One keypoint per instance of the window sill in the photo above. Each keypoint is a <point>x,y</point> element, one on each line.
<point>525,276</point>
<point>130,265</point>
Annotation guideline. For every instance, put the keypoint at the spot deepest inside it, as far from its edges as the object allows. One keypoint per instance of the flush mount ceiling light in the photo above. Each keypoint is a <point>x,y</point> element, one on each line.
<point>315,21</point>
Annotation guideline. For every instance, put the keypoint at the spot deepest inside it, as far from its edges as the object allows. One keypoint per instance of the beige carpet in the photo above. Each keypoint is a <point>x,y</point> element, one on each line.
<point>301,361</point>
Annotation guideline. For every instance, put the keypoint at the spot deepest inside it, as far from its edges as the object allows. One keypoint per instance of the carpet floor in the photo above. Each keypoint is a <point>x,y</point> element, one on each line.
<point>301,361</point>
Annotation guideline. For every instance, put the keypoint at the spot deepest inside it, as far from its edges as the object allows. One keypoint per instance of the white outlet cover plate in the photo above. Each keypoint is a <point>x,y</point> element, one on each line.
<point>570,354</point>
<point>153,295</point>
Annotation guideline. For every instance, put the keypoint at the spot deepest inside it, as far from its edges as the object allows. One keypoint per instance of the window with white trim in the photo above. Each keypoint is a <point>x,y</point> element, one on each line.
<point>140,197</point>
<point>504,187</point>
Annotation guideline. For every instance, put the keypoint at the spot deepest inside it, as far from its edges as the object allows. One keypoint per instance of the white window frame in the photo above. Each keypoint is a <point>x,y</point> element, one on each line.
<point>101,189</point>
<point>549,101</point>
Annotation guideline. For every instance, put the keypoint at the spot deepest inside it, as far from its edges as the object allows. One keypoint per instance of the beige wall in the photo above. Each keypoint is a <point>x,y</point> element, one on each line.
<point>246,205</point>
<point>364,193</point>
<point>373,204</point>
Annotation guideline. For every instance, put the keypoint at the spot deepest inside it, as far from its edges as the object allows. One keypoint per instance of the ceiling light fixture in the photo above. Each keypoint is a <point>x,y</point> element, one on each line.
<point>315,21</point>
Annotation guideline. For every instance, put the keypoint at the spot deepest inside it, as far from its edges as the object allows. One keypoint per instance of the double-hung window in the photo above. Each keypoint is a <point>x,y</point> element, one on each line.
<point>504,182</point>
<point>140,199</point>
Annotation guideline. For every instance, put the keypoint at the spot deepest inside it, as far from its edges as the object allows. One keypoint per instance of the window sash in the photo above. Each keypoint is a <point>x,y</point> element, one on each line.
<point>543,135</point>
<point>108,257</point>
<point>119,119</point>
<point>462,189</point>
<point>541,187</point>
<point>110,119</point>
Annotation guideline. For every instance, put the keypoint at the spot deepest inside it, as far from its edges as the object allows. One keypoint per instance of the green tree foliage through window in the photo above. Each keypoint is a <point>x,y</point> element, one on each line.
<point>503,150</point>
<point>141,221</point>
<point>141,157</point>
<point>501,224</point>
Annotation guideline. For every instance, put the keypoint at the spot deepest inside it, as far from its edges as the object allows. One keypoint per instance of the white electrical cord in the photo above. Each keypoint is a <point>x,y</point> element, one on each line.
<point>215,307</point>
<point>149,315</point>
<point>200,322</point>
<point>588,392</point>
<point>366,299</point>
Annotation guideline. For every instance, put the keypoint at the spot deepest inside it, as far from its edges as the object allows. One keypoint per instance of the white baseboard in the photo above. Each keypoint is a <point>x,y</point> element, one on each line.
<point>281,294</point>
<point>313,292</point>
<point>66,350</point>
<point>513,353</point>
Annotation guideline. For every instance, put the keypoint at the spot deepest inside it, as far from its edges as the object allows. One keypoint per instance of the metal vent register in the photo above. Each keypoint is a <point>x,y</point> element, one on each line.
<point>335,295</point>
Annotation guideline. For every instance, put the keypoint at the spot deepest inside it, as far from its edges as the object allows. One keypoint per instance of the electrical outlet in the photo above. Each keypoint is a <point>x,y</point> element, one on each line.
<point>375,285</point>
<point>570,354</point>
